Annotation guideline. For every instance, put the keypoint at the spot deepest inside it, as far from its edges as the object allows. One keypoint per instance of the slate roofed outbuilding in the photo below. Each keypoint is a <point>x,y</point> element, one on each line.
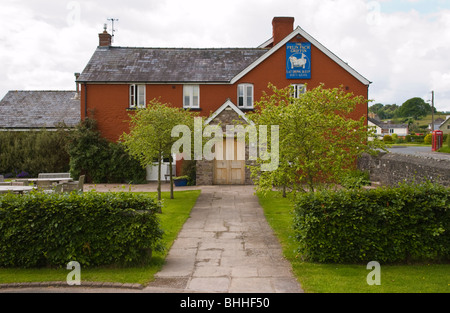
<point>23,110</point>
<point>161,65</point>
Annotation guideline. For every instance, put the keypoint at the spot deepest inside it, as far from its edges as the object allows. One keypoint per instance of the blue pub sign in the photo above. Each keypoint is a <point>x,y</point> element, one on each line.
<point>298,60</point>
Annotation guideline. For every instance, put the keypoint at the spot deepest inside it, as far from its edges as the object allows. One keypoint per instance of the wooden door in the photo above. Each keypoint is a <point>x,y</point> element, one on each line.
<point>230,170</point>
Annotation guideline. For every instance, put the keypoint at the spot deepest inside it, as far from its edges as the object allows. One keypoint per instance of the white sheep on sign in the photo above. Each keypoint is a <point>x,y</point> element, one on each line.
<point>298,62</point>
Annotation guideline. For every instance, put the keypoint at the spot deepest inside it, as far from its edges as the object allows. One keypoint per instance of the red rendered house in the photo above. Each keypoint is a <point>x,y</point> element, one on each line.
<point>118,80</point>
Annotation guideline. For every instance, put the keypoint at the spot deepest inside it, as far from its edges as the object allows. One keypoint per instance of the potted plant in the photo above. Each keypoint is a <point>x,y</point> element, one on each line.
<point>180,180</point>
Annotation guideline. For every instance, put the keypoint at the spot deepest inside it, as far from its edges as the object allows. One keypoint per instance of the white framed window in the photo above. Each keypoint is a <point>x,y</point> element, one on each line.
<point>391,130</point>
<point>297,90</point>
<point>137,96</point>
<point>191,96</point>
<point>245,96</point>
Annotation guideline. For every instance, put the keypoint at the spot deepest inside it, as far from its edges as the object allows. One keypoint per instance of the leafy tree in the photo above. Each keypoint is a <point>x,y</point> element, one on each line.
<point>415,108</point>
<point>318,142</point>
<point>384,111</point>
<point>150,137</point>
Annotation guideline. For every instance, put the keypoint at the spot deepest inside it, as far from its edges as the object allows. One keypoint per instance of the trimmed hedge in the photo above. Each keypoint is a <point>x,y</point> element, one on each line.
<point>401,224</point>
<point>28,153</point>
<point>39,229</point>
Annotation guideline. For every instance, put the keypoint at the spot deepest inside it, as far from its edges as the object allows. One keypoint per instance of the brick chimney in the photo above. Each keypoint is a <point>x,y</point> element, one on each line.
<point>282,26</point>
<point>104,38</point>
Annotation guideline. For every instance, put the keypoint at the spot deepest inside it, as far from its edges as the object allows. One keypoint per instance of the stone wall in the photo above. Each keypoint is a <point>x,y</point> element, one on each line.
<point>391,168</point>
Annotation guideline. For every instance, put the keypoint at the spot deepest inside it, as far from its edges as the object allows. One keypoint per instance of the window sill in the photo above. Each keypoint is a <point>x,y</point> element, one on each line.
<point>193,109</point>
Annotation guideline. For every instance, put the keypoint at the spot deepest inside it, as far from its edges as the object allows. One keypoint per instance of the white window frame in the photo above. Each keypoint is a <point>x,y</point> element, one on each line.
<point>298,90</point>
<point>190,99</point>
<point>137,96</point>
<point>243,92</point>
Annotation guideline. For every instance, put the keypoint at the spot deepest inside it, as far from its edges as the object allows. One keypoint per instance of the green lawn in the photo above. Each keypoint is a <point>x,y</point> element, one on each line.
<point>345,278</point>
<point>444,149</point>
<point>174,214</point>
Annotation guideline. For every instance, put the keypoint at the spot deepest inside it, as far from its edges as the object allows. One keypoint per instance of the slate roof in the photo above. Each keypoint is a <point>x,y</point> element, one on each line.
<point>386,125</point>
<point>125,64</point>
<point>37,109</point>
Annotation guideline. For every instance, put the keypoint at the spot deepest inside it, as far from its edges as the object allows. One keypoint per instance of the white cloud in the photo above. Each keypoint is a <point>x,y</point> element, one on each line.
<point>404,53</point>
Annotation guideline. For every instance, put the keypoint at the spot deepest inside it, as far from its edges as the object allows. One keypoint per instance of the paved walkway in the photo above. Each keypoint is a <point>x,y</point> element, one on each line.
<point>225,246</point>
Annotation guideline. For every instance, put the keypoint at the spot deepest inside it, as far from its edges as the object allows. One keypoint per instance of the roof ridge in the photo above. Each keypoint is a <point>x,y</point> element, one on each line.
<point>181,48</point>
<point>13,90</point>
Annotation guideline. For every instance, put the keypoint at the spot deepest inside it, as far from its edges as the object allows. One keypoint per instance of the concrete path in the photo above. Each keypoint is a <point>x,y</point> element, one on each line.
<point>226,246</point>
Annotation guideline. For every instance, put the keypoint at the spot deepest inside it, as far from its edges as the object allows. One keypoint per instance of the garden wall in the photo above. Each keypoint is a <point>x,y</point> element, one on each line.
<point>390,168</point>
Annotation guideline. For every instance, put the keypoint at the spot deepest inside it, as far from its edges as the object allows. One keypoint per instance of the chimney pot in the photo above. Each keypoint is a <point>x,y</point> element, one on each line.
<point>77,75</point>
<point>282,26</point>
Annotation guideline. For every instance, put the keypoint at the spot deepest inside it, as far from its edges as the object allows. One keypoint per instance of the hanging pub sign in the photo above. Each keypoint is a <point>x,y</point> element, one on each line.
<point>298,60</point>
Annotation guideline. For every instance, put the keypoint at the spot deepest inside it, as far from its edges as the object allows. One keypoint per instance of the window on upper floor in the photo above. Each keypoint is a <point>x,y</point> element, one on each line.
<point>137,96</point>
<point>245,96</point>
<point>297,90</point>
<point>191,96</point>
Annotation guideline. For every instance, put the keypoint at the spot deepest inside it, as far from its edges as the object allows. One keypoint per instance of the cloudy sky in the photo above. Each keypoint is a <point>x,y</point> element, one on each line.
<point>402,46</point>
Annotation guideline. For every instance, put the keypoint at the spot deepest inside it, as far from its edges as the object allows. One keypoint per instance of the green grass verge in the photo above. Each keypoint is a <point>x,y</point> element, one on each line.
<point>174,214</point>
<point>444,149</point>
<point>349,278</point>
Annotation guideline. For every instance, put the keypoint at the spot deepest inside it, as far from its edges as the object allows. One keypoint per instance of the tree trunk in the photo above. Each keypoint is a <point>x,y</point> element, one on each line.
<point>171,177</point>
<point>159,176</point>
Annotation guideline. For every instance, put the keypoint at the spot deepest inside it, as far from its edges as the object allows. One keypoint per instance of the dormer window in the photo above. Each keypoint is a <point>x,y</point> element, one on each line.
<point>137,96</point>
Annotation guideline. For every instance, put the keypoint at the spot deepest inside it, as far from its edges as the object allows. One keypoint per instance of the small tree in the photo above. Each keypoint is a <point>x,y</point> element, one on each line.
<point>150,137</point>
<point>318,142</point>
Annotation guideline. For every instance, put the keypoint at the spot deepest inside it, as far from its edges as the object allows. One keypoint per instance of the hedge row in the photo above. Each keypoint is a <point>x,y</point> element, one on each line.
<point>94,229</point>
<point>401,224</point>
<point>26,154</point>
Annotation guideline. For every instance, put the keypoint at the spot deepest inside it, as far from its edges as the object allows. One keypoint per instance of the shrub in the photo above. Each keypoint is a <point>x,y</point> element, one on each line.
<point>387,138</point>
<point>406,223</point>
<point>428,139</point>
<point>355,179</point>
<point>39,229</point>
<point>417,138</point>
<point>99,160</point>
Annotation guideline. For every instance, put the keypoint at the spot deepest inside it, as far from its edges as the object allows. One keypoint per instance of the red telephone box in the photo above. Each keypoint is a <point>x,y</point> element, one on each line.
<point>437,138</point>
